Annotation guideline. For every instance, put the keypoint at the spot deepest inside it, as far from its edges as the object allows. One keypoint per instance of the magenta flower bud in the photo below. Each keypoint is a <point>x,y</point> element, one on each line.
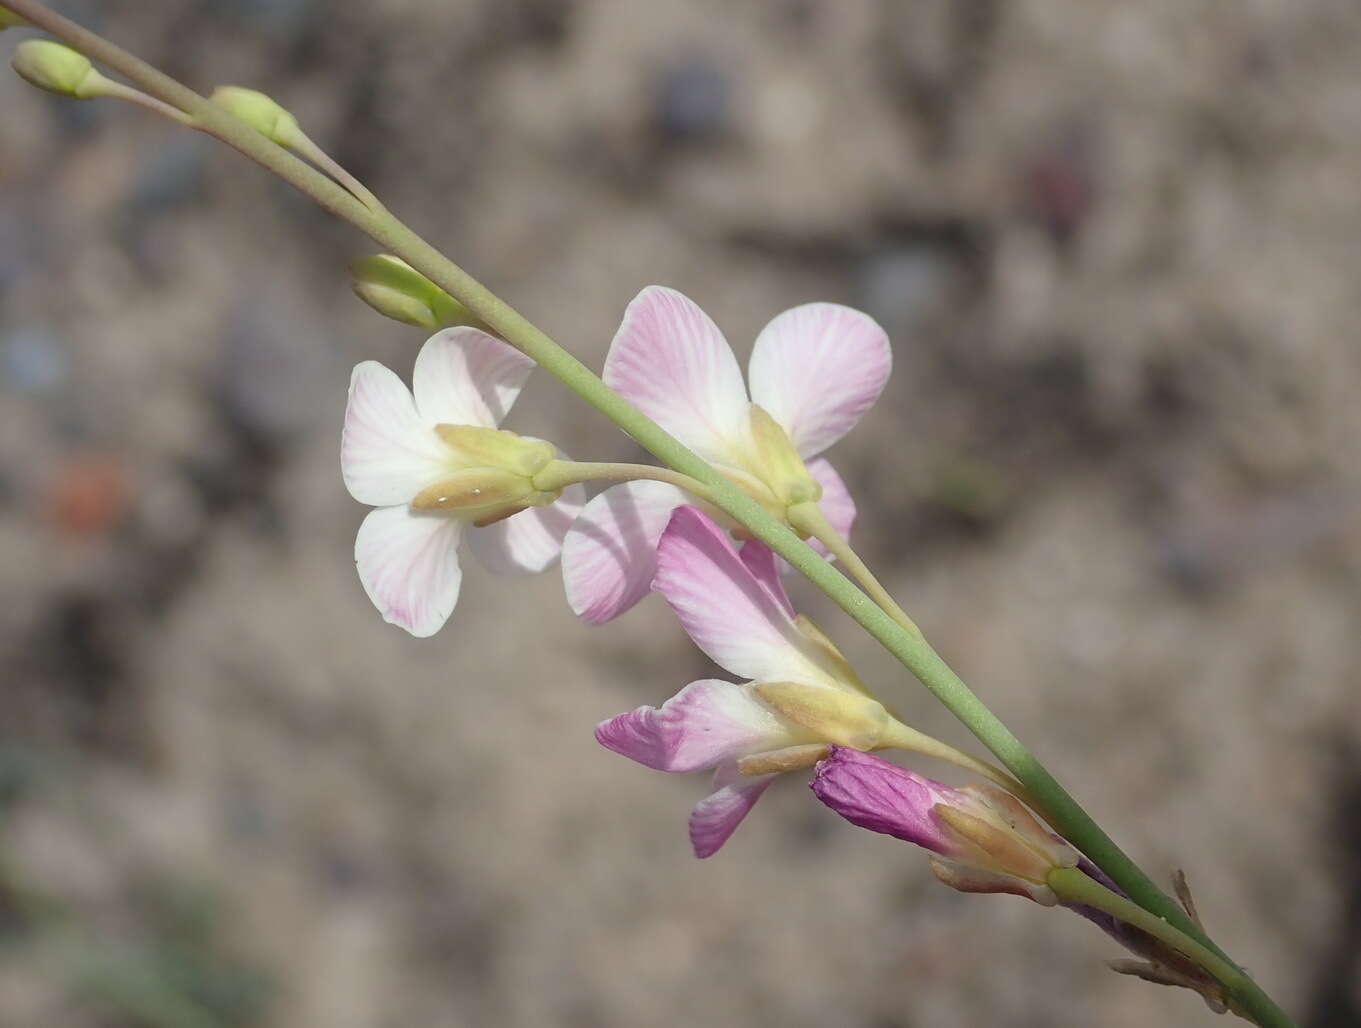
<point>984,839</point>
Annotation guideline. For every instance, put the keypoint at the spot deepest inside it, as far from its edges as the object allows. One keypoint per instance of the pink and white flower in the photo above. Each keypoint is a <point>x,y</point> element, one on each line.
<point>436,468</point>
<point>798,696</point>
<point>814,372</point>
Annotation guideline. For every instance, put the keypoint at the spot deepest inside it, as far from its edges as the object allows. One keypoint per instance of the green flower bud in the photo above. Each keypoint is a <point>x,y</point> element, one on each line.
<point>8,19</point>
<point>396,290</point>
<point>259,112</point>
<point>58,69</point>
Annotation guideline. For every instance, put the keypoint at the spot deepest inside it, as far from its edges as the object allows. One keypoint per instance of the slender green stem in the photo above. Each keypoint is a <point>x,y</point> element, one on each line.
<point>1062,811</point>
<point>808,518</point>
<point>903,737</point>
<point>565,472</point>
<point>303,145</point>
<point>207,117</point>
<point>118,91</point>
<point>1073,885</point>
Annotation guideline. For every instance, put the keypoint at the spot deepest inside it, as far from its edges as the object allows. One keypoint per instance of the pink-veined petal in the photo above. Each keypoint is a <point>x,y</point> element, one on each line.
<point>873,793</point>
<point>387,452</point>
<point>717,816</point>
<point>766,568</point>
<point>729,614</point>
<point>836,502</point>
<point>816,369</point>
<point>610,553</point>
<point>670,359</point>
<point>706,723</point>
<point>408,562</point>
<point>464,376</point>
<point>528,542</point>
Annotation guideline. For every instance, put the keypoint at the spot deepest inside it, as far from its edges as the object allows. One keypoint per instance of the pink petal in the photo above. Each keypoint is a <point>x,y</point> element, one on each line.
<point>528,542</point>
<point>706,723</point>
<point>387,453</point>
<point>671,361</point>
<point>836,502</point>
<point>610,553</point>
<point>717,816</point>
<point>766,568</point>
<point>464,376</point>
<point>816,369</point>
<point>408,563</point>
<point>729,614</point>
<point>883,797</point>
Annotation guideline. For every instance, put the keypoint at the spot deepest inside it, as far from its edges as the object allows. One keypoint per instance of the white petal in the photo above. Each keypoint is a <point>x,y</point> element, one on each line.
<point>464,376</point>
<point>717,816</point>
<point>528,542</point>
<point>610,553</point>
<point>729,614</point>
<point>816,369</point>
<point>387,453</point>
<point>673,363</point>
<point>408,563</point>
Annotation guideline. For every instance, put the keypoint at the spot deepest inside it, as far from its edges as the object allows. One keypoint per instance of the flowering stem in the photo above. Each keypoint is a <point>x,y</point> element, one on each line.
<point>903,737</point>
<point>118,91</point>
<point>1074,886</point>
<point>1060,809</point>
<point>565,472</point>
<point>304,145</point>
<point>808,518</point>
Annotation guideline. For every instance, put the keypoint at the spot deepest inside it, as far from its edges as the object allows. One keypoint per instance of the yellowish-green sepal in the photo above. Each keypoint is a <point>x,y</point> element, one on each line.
<point>9,20</point>
<point>829,656</point>
<point>781,466</point>
<point>827,714</point>
<point>476,493</point>
<point>476,447</point>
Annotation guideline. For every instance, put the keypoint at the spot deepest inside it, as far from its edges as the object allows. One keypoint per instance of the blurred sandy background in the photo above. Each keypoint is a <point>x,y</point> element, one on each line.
<point>1114,476</point>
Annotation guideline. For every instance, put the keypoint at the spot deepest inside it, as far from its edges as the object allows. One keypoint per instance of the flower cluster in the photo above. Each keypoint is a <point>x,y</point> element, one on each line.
<point>439,470</point>
<point>437,467</point>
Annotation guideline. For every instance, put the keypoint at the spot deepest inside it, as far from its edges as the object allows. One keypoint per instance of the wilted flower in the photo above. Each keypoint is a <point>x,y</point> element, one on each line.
<point>800,694</point>
<point>814,371</point>
<point>436,468</point>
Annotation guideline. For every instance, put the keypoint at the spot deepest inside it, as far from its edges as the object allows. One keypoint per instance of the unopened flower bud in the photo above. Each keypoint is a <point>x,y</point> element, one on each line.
<point>982,839</point>
<point>8,19</point>
<point>396,290</point>
<point>259,111</point>
<point>57,69</point>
